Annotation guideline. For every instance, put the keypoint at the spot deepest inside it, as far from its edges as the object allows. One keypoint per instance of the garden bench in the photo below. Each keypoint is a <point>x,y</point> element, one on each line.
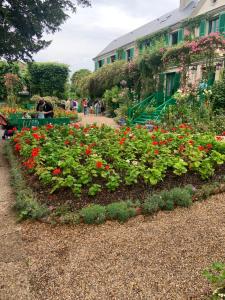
<point>28,123</point>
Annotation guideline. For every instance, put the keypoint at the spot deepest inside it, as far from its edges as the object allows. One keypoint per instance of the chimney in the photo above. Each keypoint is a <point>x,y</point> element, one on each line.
<point>184,3</point>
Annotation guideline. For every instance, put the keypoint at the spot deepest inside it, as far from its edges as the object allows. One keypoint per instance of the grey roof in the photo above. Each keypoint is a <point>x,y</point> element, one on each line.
<point>165,21</point>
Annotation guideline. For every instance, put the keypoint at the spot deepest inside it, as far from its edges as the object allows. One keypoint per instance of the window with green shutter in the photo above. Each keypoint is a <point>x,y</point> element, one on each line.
<point>222,23</point>
<point>96,65</point>
<point>180,35</point>
<point>108,60</point>
<point>132,52</point>
<point>166,39</point>
<point>202,28</point>
<point>124,56</point>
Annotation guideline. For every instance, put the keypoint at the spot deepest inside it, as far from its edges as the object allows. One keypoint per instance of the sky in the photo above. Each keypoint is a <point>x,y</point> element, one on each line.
<point>91,29</point>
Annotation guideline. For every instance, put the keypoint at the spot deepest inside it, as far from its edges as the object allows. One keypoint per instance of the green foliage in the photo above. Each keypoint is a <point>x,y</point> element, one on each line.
<point>152,204</point>
<point>77,81</point>
<point>26,205</point>
<point>218,93</point>
<point>181,197</point>
<point>216,276</point>
<point>25,22</point>
<point>48,79</point>
<point>4,69</point>
<point>70,218</point>
<point>168,200</point>
<point>93,214</point>
<point>120,211</point>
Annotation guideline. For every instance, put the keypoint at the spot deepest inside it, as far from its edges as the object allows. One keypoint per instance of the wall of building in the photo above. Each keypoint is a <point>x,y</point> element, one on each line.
<point>208,5</point>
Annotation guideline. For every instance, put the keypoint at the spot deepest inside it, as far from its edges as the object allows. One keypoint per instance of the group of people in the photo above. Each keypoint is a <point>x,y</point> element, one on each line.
<point>44,109</point>
<point>96,107</point>
<point>71,105</point>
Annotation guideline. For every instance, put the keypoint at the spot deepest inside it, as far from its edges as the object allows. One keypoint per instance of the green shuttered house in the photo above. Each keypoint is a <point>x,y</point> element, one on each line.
<point>208,16</point>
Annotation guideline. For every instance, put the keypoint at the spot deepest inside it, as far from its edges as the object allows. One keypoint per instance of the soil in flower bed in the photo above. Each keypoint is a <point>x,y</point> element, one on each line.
<point>135,192</point>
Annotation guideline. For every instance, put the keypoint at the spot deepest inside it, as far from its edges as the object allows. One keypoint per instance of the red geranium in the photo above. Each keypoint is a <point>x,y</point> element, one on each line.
<point>209,146</point>
<point>29,163</point>
<point>201,148</point>
<point>36,136</point>
<point>67,142</point>
<point>155,143</point>
<point>156,152</point>
<point>57,171</point>
<point>191,142</point>
<point>49,126</point>
<point>88,151</point>
<point>107,167</point>
<point>99,164</point>
<point>35,152</point>
<point>17,147</point>
<point>122,141</point>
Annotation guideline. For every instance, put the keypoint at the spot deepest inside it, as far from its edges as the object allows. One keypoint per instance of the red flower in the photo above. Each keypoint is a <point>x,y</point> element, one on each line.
<point>181,148</point>
<point>156,152</point>
<point>25,129</point>
<point>153,137</point>
<point>35,152</point>
<point>201,148</point>
<point>67,142</point>
<point>223,133</point>
<point>34,128</point>
<point>107,167</point>
<point>17,147</point>
<point>49,126</point>
<point>170,140</point>
<point>14,129</point>
<point>85,130</point>
<point>219,138</point>
<point>174,129</point>
<point>180,137</point>
<point>122,141</point>
<point>77,126</point>
<point>209,146</point>
<point>71,132</point>
<point>191,142</point>
<point>36,136</point>
<point>88,151</point>
<point>29,163</point>
<point>99,164</point>
<point>155,143</point>
<point>56,171</point>
<point>28,141</point>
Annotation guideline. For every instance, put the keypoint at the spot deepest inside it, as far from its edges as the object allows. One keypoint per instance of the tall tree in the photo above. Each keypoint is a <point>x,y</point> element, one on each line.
<point>24,22</point>
<point>76,80</point>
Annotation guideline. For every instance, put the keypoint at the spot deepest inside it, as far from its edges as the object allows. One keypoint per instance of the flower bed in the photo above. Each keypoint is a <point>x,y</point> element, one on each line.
<point>103,164</point>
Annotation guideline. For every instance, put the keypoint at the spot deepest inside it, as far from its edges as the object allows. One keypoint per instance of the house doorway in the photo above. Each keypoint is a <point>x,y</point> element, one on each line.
<point>172,84</point>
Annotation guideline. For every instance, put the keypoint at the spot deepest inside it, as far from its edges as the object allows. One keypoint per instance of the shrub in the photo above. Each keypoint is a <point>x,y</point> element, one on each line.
<point>28,207</point>
<point>216,276</point>
<point>70,218</point>
<point>120,211</point>
<point>152,204</point>
<point>93,214</point>
<point>181,197</point>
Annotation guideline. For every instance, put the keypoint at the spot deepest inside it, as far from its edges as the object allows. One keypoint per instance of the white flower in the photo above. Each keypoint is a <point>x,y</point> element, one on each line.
<point>135,163</point>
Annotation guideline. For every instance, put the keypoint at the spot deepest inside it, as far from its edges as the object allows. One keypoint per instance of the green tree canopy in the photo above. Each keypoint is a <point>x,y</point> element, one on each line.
<point>76,81</point>
<point>48,79</point>
<point>23,23</point>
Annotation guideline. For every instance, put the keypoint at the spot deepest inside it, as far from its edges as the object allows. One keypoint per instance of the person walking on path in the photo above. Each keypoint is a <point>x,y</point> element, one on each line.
<point>85,106</point>
<point>97,107</point>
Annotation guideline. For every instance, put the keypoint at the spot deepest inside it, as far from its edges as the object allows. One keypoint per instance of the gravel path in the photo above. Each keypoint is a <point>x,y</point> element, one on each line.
<point>145,258</point>
<point>14,283</point>
<point>90,119</point>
